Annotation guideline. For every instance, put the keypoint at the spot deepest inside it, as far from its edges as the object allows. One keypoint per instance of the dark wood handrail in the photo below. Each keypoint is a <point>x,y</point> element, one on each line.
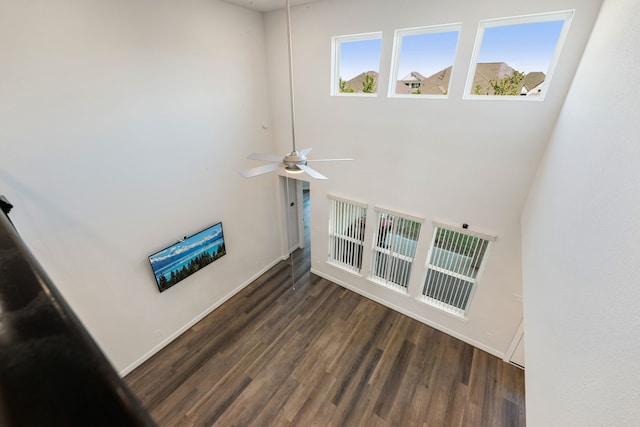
<point>52,372</point>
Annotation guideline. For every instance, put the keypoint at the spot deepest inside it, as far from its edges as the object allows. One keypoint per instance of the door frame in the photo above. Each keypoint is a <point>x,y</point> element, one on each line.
<point>299,216</point>
<point>517,339</point>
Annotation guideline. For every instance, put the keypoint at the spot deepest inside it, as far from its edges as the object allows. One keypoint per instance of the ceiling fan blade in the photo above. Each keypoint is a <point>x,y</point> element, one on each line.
<point>260,170</point>
<point>327,160</point>
<point>305,151</point>
<point>265,157</point>
<point>312,172</point>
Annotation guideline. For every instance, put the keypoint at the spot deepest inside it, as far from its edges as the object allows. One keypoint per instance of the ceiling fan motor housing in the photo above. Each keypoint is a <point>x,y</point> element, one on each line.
<point>293,159</point>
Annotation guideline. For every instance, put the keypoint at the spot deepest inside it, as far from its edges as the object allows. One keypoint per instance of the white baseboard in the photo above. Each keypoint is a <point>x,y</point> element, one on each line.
<point>198,318</point>
<point>411,314</point>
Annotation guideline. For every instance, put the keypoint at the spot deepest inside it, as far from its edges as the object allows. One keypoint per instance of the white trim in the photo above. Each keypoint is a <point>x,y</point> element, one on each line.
<point>389,285</point>
<point>517,337</point>
<point>356,95</point>
<point>198,318</point>
<point>341,267</point>
<point>530,18</point>
<point>379,209</point>
<point>566,15</point>
<point>345,200</point>
<point>300,211</point>
<point>397,48</point>
<point>453,312</point>
<point>334,89</point>
<point>490,237</point>
<point>418,96</point>
<point>415,316</point>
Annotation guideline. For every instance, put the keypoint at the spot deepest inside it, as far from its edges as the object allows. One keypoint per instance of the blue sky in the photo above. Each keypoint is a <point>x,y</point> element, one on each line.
<point>427,53</point>
<point>359,56</point>
<point>525,47</point>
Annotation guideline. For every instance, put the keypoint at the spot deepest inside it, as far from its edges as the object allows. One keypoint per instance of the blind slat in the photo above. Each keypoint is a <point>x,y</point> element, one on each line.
<point>452,270</point>
<point>346,234</point>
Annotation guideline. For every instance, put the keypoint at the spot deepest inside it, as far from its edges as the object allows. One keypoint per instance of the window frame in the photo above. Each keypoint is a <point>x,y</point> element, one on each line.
<point>460,313</point>
<point>565,15</point>
<point>397,50</point>
<point>375,249</point>
<point>335,62</point>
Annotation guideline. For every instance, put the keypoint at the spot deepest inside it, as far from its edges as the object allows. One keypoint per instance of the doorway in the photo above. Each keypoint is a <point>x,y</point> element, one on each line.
<point>297,202</point>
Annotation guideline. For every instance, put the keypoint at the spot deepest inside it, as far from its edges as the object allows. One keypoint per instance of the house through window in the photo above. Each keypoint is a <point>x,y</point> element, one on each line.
<point>356,64</point>
<point>514,58</point>
<point>423,61</point>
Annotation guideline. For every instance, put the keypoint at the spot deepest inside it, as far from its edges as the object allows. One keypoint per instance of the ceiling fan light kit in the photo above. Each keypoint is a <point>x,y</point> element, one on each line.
<point>296,161</point>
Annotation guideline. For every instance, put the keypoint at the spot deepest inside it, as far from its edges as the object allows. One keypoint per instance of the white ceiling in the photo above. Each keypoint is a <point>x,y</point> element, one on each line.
<point>266,5</point>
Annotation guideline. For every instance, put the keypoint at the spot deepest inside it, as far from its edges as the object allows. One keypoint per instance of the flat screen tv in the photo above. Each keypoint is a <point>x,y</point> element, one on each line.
<point>184,258</point>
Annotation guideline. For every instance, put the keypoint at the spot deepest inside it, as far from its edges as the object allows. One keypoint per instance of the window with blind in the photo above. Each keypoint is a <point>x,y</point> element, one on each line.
<point>346,234</point>
<point>394,248</point>
<point>455,261</point>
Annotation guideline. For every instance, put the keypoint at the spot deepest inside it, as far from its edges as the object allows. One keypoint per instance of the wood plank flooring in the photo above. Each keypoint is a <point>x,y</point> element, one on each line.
<point>321,355</point>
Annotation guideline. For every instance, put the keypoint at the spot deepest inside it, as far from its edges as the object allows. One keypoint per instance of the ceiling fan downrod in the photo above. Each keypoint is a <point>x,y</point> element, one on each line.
<point>291,95</point>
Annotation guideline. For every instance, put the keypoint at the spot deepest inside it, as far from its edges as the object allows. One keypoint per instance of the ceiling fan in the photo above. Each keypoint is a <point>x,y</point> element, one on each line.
<point>295,161</point>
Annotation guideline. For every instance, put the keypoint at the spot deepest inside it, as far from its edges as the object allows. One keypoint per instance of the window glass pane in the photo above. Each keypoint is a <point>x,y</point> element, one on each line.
<point>394,248</point>
<point>358,65</point>
<point>424,61</point>
<point>448,289</point>
<point>457,252</point>
<point>515,57</point>
<point>453,269</point>
<point>346,234</point>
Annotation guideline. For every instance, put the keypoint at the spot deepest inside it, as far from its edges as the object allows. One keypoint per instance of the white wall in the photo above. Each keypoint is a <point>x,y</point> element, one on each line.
<point>580,234</point>
<point>124,126</point>
<point>449,160</point>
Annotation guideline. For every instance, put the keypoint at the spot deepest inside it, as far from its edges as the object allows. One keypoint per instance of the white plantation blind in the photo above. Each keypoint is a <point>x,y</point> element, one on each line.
<point>347,222</point>
<point>394,248</point>
<point>452,271</point>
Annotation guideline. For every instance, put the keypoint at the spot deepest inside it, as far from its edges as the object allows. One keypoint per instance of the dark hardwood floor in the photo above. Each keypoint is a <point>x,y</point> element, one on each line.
<point>322,355</point>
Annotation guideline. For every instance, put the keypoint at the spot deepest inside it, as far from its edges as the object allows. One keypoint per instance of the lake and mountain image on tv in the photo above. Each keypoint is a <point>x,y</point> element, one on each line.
<point>184,258</point>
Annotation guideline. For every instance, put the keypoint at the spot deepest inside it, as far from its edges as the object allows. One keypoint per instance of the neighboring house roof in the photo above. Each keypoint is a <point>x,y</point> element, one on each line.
<point>413,76</point>
<point>533,79</point>
<point>485,72</point>
<point>410,83</point>
<point>356,82</point>
<point>438,83</point>
<point>532,84</point>
<point>402,88</point>
<point>435,84</point>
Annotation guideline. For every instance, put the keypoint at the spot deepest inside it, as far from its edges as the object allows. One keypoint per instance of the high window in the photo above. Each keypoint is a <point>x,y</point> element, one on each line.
<point>514,58</point>
<point>454,264</point>
<point>356,64</point>
<point>347,222</point>
<point>423,61</point>
<point>394,248</point>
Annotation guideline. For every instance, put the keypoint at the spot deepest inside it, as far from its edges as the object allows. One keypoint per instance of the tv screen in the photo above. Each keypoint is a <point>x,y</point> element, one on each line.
<point>182,259</point>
